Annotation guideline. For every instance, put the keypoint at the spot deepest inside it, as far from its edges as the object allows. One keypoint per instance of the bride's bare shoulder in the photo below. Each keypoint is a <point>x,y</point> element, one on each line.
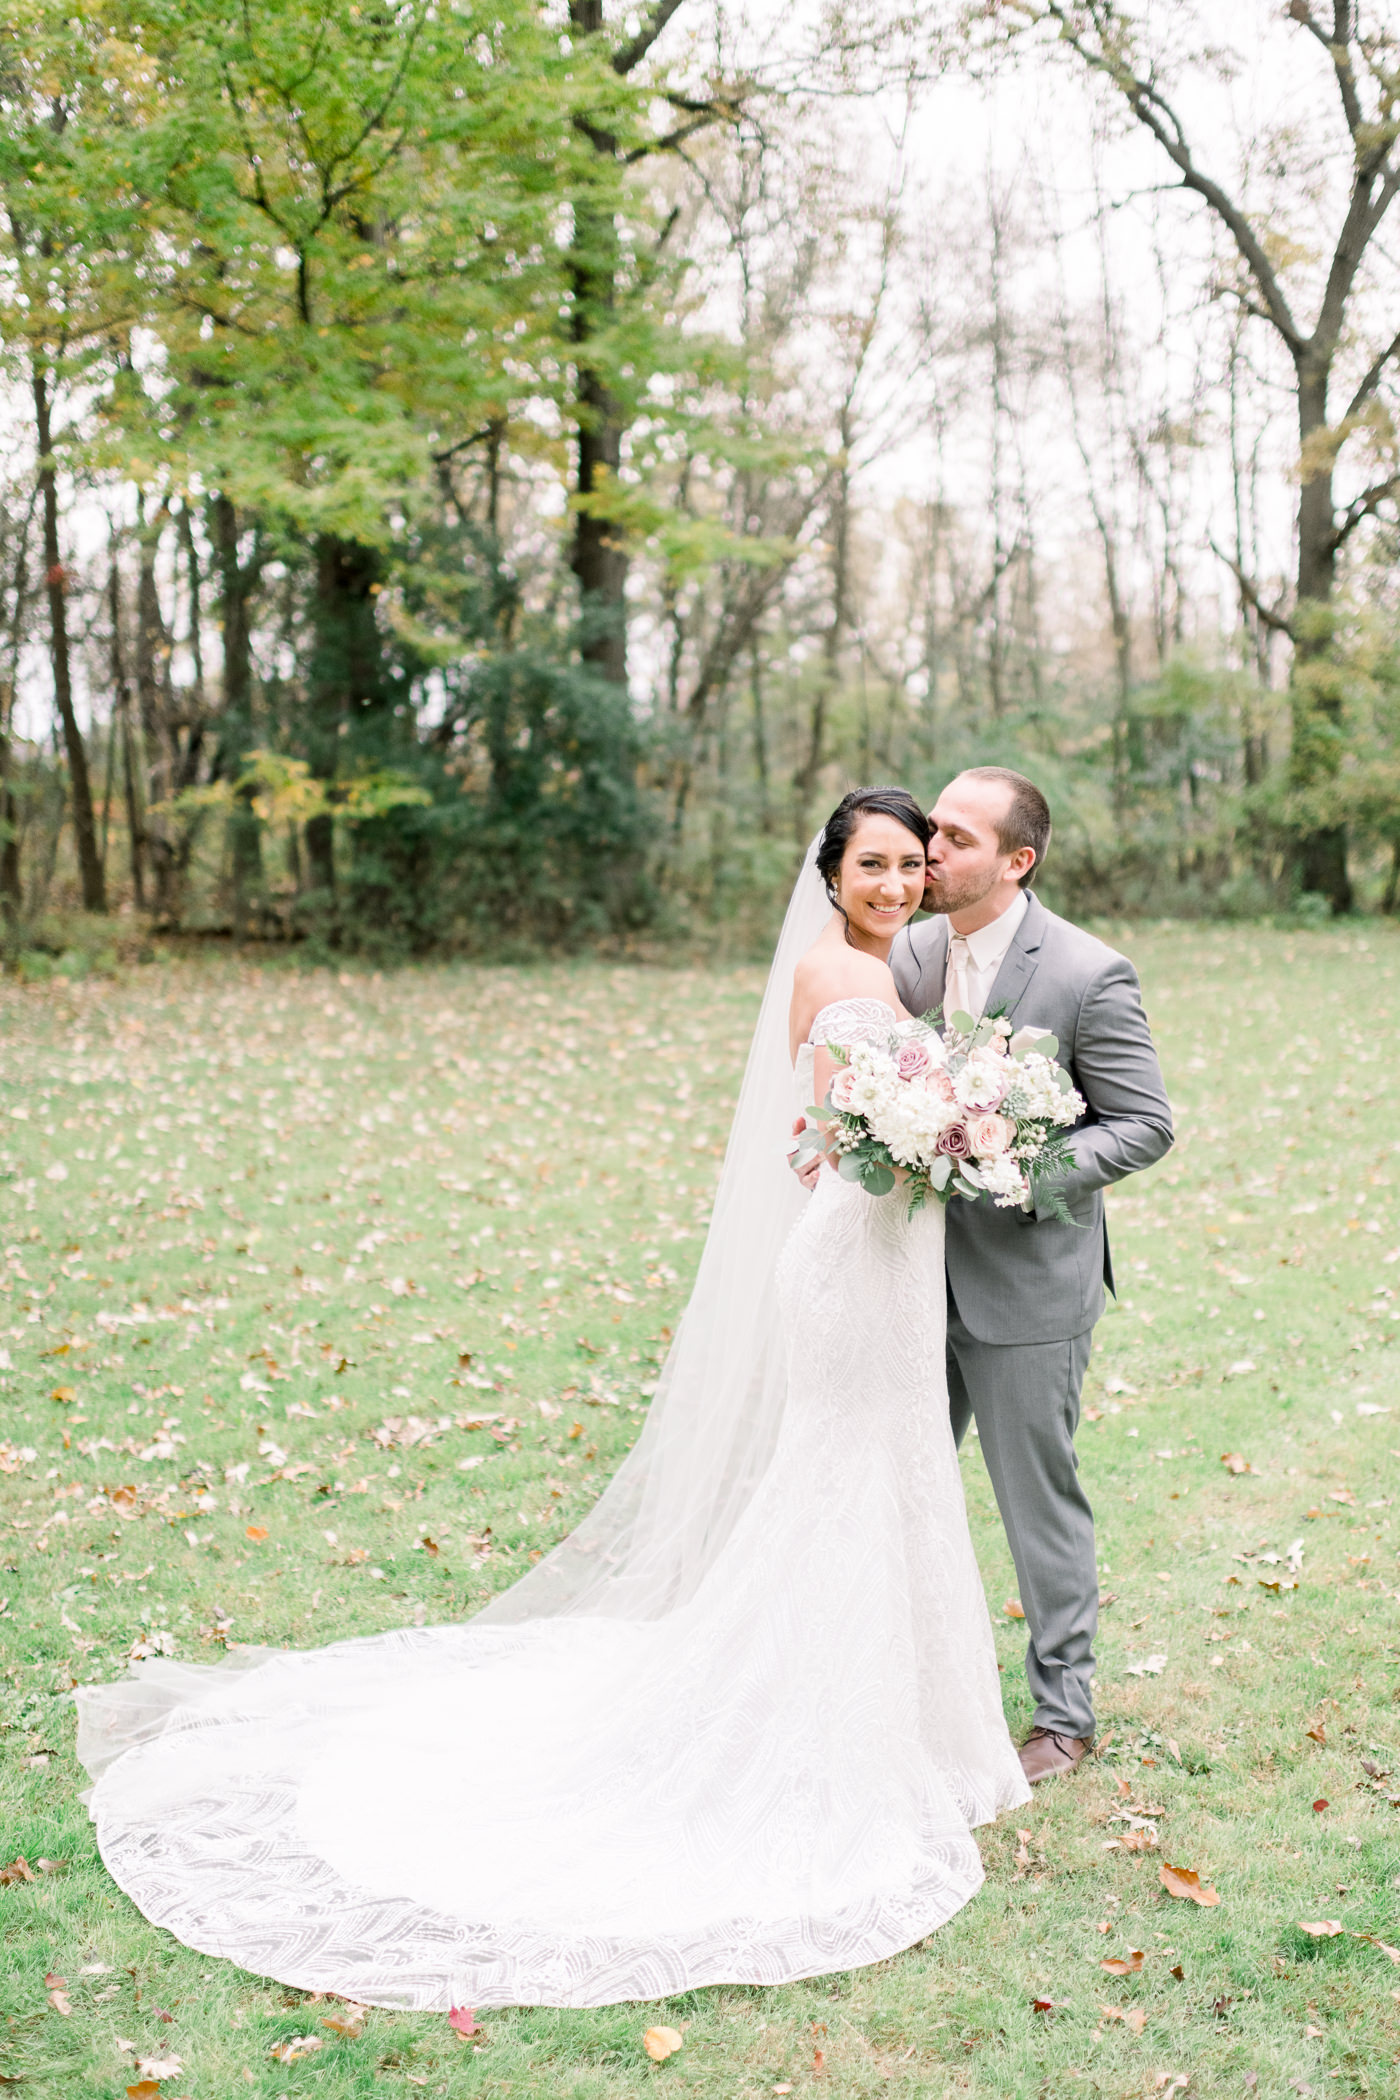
<point>831,971</point>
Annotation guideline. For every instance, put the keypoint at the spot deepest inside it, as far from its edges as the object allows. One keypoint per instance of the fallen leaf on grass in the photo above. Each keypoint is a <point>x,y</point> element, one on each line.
<point>1134,2019</point>
<point>1012,1608</point>
<point>159,2067</point>
<point>1178,1972</point>
<point>1313,2034</point>
<point>1235,1462</point>
<point>290,2052</point>
<point>462,2019</point>
<point>1317,1735</point>
<point>1049,2005</point>
<point>1319,1805</point>
<point>350,2023</point>
<point>1147,1666</point>
<point>1124,1965</point>
<point>1342,1495</point>
<point>18,1870</point>
<point>1391,1953</point>
<point>661,2042</point>
<point>143,2089</point>
<point>58,1999</point>
<point>1322,1928</point>
<point>1187,1883</point>
<point>257,1533</point>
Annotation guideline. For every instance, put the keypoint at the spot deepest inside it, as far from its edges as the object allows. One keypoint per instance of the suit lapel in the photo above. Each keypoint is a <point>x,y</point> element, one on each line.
<point>934,967</point>
<point>1019,964</point>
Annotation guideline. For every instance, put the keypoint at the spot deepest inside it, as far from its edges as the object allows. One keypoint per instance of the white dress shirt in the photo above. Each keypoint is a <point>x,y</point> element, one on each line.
<point>986,950</point>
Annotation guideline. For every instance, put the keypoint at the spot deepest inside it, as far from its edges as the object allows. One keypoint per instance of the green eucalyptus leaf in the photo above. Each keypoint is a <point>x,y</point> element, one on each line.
<point>877,1180</point>
<point>850,1166</point>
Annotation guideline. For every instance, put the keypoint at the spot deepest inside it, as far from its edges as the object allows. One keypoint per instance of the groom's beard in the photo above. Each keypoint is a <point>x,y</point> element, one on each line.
<point>941,895</point>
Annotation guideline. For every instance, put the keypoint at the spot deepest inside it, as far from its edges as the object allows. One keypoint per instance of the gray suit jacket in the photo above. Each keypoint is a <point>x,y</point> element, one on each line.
<point>1022,1277</point>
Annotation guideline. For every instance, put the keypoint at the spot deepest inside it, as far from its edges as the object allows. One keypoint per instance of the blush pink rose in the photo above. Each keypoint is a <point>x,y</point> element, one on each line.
<point>954,1143</point>
<point>989,1136</point>
<point>940,1084</point>
<point>842,1089</point>
<point>913,1061</point>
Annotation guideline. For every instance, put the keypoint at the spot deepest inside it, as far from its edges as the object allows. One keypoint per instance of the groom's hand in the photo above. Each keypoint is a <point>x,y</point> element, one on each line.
<point>809,1170</point>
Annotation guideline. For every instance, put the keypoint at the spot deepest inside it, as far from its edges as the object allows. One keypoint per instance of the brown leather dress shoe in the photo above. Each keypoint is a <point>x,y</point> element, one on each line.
<point>1044,1753</point>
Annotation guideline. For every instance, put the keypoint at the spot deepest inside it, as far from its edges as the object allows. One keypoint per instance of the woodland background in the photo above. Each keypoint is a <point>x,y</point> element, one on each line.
<point>478,479</point>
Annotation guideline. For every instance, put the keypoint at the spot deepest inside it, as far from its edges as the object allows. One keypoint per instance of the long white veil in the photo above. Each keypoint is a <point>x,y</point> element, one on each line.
<point>714,1420</point>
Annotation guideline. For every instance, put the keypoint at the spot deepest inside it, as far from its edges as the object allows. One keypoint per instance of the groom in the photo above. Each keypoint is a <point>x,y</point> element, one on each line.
<point>1024,1290</point>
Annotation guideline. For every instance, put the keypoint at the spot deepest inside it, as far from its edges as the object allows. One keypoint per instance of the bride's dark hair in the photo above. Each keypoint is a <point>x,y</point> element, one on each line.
<point>841,824</point>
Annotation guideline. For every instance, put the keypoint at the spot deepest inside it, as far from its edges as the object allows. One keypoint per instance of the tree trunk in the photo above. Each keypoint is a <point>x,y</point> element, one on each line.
<point>56,589</point>
<point>1318,685</point>
<point>152,694</point>
<point>347,678</point>
<point>599,557</point>
<point>237,581</point>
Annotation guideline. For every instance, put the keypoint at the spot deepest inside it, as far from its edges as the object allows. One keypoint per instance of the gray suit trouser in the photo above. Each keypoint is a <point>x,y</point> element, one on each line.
<point>1025,1398</point>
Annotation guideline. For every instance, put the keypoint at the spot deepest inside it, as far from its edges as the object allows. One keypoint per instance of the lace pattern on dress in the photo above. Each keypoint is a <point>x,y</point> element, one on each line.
<point>847,1021</point>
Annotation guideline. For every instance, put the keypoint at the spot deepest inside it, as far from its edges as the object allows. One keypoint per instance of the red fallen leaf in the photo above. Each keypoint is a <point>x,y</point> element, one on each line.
<point>18,1870</point>
<point>257,1533</point>
<point>463,2019</point>
<point>1319,1805</point>
<point>1012,1608</point>
<point>1129,1965</point>
<point>1186,1882</point>
<point>1049,2005</point>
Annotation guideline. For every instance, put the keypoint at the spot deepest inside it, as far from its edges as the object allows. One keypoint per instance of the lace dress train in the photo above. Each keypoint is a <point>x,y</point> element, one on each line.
<point>776,1779</point>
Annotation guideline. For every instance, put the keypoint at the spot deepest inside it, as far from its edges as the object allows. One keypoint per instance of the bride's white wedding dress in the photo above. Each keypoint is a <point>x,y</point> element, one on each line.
<point>771,1772</point>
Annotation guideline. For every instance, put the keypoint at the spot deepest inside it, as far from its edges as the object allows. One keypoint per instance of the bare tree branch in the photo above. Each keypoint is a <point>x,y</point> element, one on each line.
<point>630,55</point>
<point>1364,506</point>
<point>1249,592</point>
<point>1372,379</point>
<point>1156,114</point>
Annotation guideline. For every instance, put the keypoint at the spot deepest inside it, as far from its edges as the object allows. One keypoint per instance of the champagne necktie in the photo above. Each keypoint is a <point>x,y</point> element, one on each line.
<point>957,998</point>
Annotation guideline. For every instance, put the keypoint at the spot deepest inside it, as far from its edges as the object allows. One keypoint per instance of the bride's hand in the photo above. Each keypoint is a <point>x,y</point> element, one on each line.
<point>811,1167</point>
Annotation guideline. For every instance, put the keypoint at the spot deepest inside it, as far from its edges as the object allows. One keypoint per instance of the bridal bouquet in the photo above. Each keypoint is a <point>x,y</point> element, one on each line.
<point>978,1111</point>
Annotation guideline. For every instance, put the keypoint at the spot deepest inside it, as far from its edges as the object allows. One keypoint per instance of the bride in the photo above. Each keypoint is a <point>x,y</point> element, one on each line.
<point>739,1727</point>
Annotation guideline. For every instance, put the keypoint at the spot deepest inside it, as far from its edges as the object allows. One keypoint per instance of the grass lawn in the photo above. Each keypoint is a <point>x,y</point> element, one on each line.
<point>276,1243</point>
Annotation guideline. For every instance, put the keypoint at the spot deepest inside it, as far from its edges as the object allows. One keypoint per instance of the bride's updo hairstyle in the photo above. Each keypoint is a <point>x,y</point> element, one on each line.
<point>842,824</point>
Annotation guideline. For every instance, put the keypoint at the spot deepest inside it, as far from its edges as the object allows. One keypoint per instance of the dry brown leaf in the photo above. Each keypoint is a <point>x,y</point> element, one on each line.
<point>1391,1953</point>
<point>1124,1965</point>
<point>300,2045</point>
<point>59,2001</point>
<point>1187,1883</point>
<point>1317,1735</point>
<point>256,1533</point>
<point>63,1394</point>
<point>158,2067</point>
<point>1012,1608</point>
<point>1322,1928</point>
<point>1235,1462</point>
<point>350,2022</point>
<point>661,2042</point>
<point>18,1870</point>
<point>143,2089</point>
<point>1139,1840</point>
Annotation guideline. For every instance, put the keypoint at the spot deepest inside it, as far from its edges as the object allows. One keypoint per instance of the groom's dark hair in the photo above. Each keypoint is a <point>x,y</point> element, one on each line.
<point>1027,818</point>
